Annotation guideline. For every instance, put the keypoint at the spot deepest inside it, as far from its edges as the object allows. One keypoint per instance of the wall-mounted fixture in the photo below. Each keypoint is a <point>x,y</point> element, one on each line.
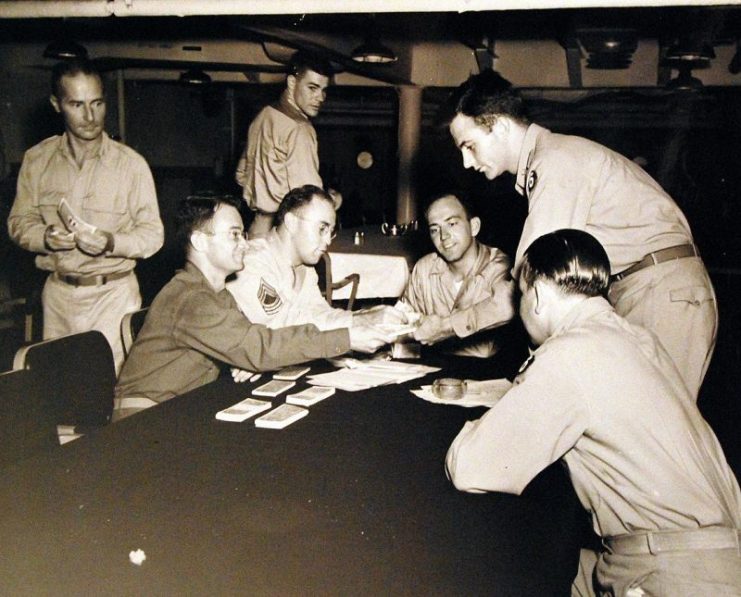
<point>194,76</point>
<point>65,49</point>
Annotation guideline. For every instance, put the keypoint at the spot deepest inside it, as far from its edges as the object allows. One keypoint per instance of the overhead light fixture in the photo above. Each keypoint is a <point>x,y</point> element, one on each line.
<point>608,48</point>
<point>684,80</point>
<point>65,49</point>
<point>194,76</point>
<point>373,51</point>
<point>690,50</point>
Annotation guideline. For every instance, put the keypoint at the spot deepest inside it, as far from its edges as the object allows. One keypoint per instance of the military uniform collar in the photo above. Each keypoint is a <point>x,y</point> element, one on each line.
<point>440,267</point>
<point>287,107</point>
<point>527,151</point>
<point>587,309</point>
<point>105,143</point>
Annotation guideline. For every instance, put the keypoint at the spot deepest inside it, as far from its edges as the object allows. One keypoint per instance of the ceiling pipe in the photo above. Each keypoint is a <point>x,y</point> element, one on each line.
<point>24,9</point>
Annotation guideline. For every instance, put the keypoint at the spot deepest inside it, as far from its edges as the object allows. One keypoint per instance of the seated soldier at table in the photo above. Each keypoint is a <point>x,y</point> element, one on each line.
<point>463,291</point>
<point>605,396</point>
<point>193,325</point>
<point>278,285</point>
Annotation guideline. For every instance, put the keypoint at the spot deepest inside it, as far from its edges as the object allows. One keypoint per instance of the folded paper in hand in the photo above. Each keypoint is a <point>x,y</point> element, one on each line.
<point>71,220</point>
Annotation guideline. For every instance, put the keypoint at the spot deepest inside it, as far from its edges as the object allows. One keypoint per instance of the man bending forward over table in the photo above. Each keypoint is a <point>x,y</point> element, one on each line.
<point>193,325</point>
<point>278,285</point>
<point>463,291</point>
<point>604,395</point>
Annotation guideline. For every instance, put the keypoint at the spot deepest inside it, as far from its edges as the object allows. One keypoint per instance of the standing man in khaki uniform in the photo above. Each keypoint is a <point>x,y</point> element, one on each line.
<point>658,278</point>
<point>92,283</point>
<point>661,494</point>
<point>282,151</point>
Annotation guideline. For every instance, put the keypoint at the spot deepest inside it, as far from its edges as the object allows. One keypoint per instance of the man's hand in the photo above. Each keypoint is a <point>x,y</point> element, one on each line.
<point>380,314</point>
<point>433,329</point>
<point>368,339</point>
<point>58,239</point>
<point>94,243</point>
<point>240,375</point>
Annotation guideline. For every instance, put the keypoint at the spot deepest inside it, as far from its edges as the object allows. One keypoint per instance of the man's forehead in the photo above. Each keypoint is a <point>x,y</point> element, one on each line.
<point>321,209</point>
<point>463,127</point>
<point>78,83</point>
<point>226,216</point>
<point>445,208</point>
<point>312,77</point>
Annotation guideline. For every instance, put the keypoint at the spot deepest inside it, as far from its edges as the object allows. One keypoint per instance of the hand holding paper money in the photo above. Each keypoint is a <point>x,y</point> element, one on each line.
<point>88,238</point>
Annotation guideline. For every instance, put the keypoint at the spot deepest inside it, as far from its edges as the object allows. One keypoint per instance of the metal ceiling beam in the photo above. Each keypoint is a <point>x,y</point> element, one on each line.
<point>133,8</point>
<point>384,73</point>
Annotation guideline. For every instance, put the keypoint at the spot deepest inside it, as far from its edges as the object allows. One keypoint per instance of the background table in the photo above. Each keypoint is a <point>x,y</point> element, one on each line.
<point>383,262</point>
<point>350,500</point>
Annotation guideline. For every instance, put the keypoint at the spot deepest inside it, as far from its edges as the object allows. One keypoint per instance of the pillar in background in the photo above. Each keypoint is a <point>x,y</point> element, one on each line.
<point>410,123</point>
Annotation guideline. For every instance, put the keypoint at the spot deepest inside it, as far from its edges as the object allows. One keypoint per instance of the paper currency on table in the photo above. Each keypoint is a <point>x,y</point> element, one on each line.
<point>71,220</point>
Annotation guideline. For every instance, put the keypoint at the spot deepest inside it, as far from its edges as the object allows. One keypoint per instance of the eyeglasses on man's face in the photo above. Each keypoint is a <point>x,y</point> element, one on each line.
<point>233,234</point>
<point>325,229</point>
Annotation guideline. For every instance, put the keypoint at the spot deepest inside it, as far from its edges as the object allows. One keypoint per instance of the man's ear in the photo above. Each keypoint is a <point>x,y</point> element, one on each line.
<point>539,296</point>
<point>198,240</point>
<point>291,83</point>
<point>475,225</point>
<point>501,126</point>
<point>56,104</point>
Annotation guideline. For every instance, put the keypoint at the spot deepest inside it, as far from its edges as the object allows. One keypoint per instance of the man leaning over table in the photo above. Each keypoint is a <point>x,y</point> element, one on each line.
<point>194,326</point>
<point>282,150</point>
<point>659,281</point>
<point>604,396</point>
<point>278,285</point>
<point>463,291</point>
<point>92,283</point>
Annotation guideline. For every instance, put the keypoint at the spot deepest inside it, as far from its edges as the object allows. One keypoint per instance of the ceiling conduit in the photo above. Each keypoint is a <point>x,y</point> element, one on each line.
<point>22,9</point>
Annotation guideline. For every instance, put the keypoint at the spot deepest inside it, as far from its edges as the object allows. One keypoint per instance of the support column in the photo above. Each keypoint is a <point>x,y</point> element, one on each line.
<point>410,124</point>
<point>121,98</point>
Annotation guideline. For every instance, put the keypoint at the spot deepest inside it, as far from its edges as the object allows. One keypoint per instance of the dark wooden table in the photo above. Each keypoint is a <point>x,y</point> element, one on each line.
<point>351,500</point>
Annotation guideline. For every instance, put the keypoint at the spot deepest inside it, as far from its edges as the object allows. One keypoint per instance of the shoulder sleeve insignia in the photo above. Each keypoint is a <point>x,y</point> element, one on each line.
<point>269,298</point>
<point>532,180</point>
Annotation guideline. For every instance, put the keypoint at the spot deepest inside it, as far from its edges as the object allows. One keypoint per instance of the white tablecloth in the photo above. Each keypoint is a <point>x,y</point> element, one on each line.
<point>381,276</point>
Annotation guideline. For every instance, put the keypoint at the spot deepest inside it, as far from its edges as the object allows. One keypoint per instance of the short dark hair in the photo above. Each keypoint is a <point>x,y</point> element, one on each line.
<point>297,198</point>
<point>195,211</point>
<point>483,97</point>
<point>302,61</point>
<point>458,194</point>
<point>70,68</point>
<point>573,260</point>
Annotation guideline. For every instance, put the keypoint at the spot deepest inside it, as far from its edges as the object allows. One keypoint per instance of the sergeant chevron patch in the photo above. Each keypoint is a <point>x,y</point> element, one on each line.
<point>269,298</point>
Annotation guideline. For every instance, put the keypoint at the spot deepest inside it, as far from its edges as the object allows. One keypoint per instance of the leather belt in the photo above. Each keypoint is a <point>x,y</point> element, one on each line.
<point>97,280</point>
<point>663,541</point>
<point>677,252</point>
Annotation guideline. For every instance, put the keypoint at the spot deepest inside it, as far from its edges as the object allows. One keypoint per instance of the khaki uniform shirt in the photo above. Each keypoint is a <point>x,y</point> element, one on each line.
<point>113,190</point>
<point>266,293</point>
<point>571,182</point>
<point>190,329</point>
<point>281,154</point>
<point>484,300</point>
<point>603,395</point>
